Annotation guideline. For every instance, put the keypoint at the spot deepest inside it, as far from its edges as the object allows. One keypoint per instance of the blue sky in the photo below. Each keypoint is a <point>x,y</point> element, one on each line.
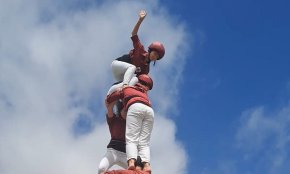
<point>221,94</point>
<point>240,60</point>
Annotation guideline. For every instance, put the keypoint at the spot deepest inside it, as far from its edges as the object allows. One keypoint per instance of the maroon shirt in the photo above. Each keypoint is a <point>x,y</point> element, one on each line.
<point>138,56</point>
<point>117,127</point>
<point>133,94</point>
<point>130,95</point>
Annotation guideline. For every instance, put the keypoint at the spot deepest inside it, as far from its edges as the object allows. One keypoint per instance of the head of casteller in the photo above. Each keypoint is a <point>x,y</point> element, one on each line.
<point>145,82</point>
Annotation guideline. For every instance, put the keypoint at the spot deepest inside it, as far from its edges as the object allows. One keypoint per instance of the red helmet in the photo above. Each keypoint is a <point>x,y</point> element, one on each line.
<point>157,46</point>
<point>145,80</point>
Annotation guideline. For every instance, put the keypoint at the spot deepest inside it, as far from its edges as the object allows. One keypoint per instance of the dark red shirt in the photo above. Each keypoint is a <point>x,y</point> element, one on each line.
<point>117,127</point>
<point>138,56</point>
<point>133,94</point>
<point>130,95</point>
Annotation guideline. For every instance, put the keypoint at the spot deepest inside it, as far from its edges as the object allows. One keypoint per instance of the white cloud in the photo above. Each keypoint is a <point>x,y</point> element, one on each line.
<point>55,64</point>
<point>264,137</point>
<point>166,153</point>
<point>261,144</point>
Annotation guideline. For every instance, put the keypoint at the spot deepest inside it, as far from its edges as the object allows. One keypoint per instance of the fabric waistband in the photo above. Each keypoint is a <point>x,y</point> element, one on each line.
<point>117,145</point>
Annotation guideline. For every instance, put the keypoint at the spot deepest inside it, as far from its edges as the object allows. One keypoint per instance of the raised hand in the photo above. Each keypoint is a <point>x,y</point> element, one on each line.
<point>142,14</point>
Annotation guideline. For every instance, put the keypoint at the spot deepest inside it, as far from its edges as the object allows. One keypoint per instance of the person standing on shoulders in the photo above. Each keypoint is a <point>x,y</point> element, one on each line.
<point>139,120</point>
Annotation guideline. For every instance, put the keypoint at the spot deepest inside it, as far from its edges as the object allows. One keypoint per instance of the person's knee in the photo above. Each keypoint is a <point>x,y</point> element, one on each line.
<point>133,67</point>
<point>133,81</point>
<point>131,141</point>
<point>114,62</point>
<point>102,169</point>
<point>131,70</point>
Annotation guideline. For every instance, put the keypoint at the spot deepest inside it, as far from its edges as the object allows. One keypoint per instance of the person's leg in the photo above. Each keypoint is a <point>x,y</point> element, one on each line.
<point>147,167</point>
<point>133,81</point>
<point>133,127</point>
<point>145,135</point>
<point>106,162</point>
<point>121,159</point>
<point>115,87</point>
<point>120,84</point>
<point>123,71</point>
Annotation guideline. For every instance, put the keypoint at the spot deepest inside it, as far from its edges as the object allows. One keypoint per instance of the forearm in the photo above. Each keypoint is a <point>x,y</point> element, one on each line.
<point>124,113</point>
<point>110,111</point>
<point>136,27</point>
<point>142,15</point>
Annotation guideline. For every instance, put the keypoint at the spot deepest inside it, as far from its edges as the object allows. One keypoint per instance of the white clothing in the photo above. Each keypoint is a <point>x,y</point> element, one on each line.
<point>139,125</point>
<point>112,157</point>
<point>124,72</point>
<point>115,87</point>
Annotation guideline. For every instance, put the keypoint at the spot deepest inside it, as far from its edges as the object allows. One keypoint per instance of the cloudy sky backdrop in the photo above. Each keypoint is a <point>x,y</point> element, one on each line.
<point>221,94</point>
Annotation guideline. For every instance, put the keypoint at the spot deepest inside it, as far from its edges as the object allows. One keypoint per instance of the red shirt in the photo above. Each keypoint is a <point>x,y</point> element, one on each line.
<point>135,95</point>
<point>117,127</point>
<point>138,56</point>
<point>130,95</point>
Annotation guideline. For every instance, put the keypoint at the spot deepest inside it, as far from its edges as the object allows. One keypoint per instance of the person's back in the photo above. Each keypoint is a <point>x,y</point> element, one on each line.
<point>117,127</point>
<point>116,149</point>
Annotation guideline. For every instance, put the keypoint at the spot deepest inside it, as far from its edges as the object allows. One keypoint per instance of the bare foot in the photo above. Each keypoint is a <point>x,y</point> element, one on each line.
<point>131,164</point>
<point>147,167</point>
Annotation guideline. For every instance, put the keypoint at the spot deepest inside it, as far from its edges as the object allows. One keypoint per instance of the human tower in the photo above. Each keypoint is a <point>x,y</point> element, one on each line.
<point>130,116</point>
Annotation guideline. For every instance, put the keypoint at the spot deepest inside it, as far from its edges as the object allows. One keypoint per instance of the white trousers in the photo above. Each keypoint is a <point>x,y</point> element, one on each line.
<point>115,87</point>
<point>139,125</point>
<point>125,72</point>
<point>112,157</point>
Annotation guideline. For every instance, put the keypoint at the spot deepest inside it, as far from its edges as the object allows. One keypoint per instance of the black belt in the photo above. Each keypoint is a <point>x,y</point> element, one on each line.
<point>117,145</point>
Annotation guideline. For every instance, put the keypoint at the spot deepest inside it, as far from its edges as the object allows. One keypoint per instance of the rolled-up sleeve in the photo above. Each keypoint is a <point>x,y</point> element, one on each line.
<point>136,42</point>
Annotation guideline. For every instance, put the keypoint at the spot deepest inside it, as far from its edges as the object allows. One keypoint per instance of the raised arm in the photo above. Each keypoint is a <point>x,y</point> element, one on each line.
<point>142,15</point>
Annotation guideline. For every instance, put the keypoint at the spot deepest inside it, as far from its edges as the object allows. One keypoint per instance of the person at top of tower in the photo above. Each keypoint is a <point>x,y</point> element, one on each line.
<point>138,60</point>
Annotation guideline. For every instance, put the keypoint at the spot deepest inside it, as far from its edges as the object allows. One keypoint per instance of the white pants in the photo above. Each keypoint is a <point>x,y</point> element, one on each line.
<point>124,72</point>
<point>139,125</point>
<point>112,157</point>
